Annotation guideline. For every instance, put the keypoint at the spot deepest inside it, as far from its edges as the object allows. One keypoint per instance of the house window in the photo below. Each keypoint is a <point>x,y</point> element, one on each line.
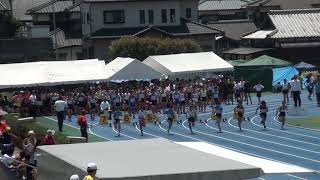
<point>88,18</point>
<point>188,13</point>
<point>113,17</point>
<point>164,15</point>
<point>150,16</point>
<point>142,17</point>
<point>172,15</point>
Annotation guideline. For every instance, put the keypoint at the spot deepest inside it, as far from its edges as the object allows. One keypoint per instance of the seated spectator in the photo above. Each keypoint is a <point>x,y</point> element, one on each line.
<point>17,164</point>
<point>30,172</point>
<point>6,145</point>
<point>49,138</point>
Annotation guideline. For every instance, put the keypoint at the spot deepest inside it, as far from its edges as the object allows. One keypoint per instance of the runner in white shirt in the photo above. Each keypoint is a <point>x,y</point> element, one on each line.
<point>258,87</point>
<point>296,91</point>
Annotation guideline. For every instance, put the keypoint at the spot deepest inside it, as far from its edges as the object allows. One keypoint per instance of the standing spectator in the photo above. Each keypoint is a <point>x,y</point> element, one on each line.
<point>33,103</point>
<point>317,89</point>
<point>92,171</point>
<point>296,91</point>
<point>82,121</point>
<point>6,145</point>
<point>258,87</point>
<point>30,146</point>
<point>60,107</point>
<point>285,91</point>
<point>247,96</point>
<point>49,138</point>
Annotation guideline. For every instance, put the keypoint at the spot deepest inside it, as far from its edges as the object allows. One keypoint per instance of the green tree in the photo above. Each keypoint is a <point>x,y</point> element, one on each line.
<point>141,48</point>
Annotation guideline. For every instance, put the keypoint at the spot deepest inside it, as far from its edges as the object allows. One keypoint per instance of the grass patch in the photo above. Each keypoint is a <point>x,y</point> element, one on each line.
<point>308,122</point>
<point>67,130</point>
<point>20,129</point>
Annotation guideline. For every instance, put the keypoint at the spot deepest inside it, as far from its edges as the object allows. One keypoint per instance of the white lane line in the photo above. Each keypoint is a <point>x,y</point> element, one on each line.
<point>123,134</point>
<point>78,128</point>
<point>255,146</point>
<point>288,132</point>
<point>297,177</point>
<point>261,178</point>
<point>150,133</point>
<point>281,137</point>
<point>300,127</point>
<point>297,168</point>
<point>258,139</point>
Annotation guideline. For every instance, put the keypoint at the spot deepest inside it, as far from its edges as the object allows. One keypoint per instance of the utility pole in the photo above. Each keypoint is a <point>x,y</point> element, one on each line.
<point>54,28</point>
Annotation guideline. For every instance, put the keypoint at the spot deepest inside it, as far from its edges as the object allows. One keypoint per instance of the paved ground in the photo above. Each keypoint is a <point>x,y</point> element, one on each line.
<point>295,145</point>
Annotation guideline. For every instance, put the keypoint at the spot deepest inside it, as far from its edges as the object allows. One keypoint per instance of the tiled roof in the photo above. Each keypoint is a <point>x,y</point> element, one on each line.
<point>234,29</point>
<point>245,51</point>
<point>215,5</point>
<point>54,5</point>
<point>62,42</point>
<point>287,4</point>
<point>296,23</point>
<point>5,5</point>
<point>118,0</point>
<point>19,8</point>
<point>185,29</point>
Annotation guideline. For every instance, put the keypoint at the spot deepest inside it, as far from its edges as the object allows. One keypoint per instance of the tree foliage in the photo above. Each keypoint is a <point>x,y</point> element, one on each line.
<point>141,48</point>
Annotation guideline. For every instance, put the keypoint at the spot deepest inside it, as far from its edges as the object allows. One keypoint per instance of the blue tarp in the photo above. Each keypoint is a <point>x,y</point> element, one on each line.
<point>279,74</point>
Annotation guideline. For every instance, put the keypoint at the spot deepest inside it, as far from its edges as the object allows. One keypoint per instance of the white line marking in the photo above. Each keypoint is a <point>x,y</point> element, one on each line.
<point>77,128</point>
<point>297,177</point>
<point>271,142</point>
<point>258,132</point>
<point>258,147</point>
<point>301,169</point>
<point>123,134</point>
<point>261,178</point>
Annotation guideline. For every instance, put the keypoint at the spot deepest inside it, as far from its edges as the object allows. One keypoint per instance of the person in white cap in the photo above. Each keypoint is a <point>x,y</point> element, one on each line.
<point>75,177</point>
<point>92,171</point>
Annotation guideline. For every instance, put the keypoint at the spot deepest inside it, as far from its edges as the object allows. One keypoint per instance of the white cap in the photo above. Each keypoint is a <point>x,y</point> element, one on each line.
<point>31,132</point>
<point>51,131</point>
<point>75,177</point>
<point>92,166</point>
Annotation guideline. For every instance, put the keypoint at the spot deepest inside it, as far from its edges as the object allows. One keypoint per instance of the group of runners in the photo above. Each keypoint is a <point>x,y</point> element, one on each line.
<point>171,98</point>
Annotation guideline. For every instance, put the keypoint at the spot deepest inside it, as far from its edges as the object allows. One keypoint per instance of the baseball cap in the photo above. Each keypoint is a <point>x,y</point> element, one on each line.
<point>75,177</point>
<point>31,132</point>
<point>92,166</point>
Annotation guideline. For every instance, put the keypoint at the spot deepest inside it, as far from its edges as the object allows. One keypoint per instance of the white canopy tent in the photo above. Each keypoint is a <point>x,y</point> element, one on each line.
<point>46,73</point>
<point>126,69</point>
<point>189,65</point>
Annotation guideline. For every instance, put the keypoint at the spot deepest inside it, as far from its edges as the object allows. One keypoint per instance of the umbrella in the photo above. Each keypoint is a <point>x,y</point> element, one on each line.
<point>304,65</point>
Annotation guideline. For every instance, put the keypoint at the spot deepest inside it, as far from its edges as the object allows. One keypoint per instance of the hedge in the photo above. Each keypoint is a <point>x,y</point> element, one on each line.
<point>141,48</point>
<point>20,129</point>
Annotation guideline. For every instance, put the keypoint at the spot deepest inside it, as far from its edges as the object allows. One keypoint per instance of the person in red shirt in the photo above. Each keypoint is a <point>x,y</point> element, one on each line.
<point>49,139</point>
<point>82,121</point>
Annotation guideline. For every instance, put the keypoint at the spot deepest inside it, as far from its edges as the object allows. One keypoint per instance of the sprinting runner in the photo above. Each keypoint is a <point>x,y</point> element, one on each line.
<point>281,113</point>
<point>142,120</point>
<point>70,106</point>
<point>258,87</point>
<point>263,113</point>
<point>239,110</point>
<point>247,88</point>
<point>204,99</point>
<point>92,103</point>
<point>310,87</point>
<point>217,110</point>
<point>116,120</point>
<point>285,91</point>
<point>170,113</point>
<point>191,116</point>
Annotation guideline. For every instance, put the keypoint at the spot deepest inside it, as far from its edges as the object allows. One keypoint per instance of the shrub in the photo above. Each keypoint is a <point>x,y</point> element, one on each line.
<point>141,48</point>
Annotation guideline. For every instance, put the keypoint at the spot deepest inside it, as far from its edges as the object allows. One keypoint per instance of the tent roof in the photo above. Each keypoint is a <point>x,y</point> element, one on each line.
<point>304,65</point>
<point>238,62</point>
<point>266,61</point>
<point>188,62</point>
<point>279,74</point>
<point>123,69</point>
<point>51,73</point>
